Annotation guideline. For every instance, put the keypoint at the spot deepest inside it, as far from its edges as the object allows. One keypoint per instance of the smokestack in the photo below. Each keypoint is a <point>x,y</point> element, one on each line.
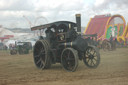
<point>78,22</point>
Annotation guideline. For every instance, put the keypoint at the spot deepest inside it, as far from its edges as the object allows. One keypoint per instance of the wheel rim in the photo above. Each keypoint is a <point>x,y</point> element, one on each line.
<point>91,57</point>
<point>40,54</point>
<point>48,61</point>
<point>69,59</point>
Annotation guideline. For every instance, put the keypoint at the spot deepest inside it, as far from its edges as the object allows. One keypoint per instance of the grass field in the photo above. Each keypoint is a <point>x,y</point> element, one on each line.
<point>20,70</point>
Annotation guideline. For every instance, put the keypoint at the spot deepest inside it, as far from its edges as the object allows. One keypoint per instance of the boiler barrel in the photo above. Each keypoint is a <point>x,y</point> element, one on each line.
<point>78,44</point>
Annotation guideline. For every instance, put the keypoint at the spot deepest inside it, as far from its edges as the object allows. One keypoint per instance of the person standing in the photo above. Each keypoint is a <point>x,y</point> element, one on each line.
<point>113,38</point>
<point>113,32</point>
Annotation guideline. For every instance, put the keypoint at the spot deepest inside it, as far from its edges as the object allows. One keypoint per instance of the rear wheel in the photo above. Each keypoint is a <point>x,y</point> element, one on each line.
<point>69,59</point>
<point>20,50</point>
<point>49,60</point>
<point>113,45</point>
<point>106,46</point>
<point>91,57</point>
<point>13,52</point>
<point>41,56</point>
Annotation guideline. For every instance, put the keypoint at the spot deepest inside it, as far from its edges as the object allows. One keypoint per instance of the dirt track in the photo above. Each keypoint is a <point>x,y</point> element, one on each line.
<point>20,70</point>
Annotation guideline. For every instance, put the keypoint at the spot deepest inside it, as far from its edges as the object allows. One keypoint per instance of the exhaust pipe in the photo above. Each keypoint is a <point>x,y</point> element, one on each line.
<point>78,23</point>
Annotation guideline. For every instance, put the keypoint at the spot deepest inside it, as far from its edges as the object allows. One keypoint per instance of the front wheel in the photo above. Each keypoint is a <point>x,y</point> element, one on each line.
<point>91,57</point>
<point>69,59</point>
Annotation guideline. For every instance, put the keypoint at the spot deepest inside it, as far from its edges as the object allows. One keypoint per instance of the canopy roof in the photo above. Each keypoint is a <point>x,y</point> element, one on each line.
<point>66,23</point>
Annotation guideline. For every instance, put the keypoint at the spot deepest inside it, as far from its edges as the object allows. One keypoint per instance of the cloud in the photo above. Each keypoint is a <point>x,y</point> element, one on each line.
<point>52,9</point>
<point>16,5</point>
<point>107,4</point>
<point>65,5</point>
<point>12,11</point>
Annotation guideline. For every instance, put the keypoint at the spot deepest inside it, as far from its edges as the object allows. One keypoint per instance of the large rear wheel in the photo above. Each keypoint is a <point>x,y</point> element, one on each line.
<point>41,54</point>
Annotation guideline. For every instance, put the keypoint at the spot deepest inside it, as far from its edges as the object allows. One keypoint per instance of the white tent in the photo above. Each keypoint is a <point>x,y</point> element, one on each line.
<point>4,31</point>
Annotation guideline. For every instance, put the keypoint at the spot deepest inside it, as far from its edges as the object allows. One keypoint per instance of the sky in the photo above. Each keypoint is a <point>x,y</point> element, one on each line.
<point>27,13</point>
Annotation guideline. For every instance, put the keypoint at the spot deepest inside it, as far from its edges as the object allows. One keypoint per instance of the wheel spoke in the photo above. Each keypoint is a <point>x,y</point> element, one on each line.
<point>70,59</point>
<point>87,56</point>
<point>92,61</point>
<point>43,62</point>
<point>36,56</point>
<point>37,49</point>
<point>42,50</point>
<point>42,53</point>
<point>38,61</point>
<point>94,53</point>
<point>88,52</point>
<point>69,54</point>
<point>88,60</point>
<point>41,65</point>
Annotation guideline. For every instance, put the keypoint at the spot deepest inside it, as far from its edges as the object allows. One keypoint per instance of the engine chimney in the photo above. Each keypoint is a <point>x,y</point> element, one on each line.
<point>78,22</point>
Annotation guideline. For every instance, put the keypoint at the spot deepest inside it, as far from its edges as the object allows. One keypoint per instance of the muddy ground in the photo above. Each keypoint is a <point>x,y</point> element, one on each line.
<point>20,70</point>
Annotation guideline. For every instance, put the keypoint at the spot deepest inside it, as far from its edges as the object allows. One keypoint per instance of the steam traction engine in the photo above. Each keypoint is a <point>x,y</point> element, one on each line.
<point>64,44</point>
